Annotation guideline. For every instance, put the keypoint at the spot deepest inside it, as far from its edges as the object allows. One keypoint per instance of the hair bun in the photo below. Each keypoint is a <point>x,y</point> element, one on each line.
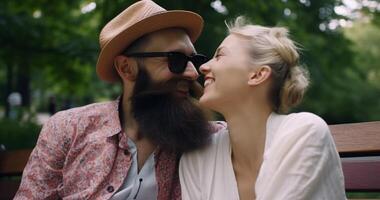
<point>279,32</point>
<point>294,88</point>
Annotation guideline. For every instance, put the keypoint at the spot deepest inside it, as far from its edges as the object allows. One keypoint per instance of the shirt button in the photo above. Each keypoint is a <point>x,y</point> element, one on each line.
<point>110,189</point>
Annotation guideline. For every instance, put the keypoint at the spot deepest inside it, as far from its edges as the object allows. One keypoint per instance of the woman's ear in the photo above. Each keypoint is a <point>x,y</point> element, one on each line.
<point>259,75</point>
<point>126,68</point>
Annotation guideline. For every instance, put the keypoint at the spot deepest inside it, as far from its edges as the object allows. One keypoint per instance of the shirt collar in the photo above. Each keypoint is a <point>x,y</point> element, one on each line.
<point>112,124</point>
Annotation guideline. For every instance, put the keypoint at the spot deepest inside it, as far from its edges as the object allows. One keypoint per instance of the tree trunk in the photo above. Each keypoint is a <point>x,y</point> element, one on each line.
<point>23,82</point>
<point>8,88</point>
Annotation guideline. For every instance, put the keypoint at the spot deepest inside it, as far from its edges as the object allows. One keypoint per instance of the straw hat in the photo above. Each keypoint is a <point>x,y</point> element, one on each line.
<point>137,20</point>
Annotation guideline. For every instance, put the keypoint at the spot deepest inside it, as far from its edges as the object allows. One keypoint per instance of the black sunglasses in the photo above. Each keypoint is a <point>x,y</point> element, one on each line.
<point>177,60</point>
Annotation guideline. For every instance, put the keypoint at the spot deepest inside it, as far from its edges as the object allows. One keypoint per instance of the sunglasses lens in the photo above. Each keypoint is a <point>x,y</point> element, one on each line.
<point>199,60</point>
<point>177,62</point>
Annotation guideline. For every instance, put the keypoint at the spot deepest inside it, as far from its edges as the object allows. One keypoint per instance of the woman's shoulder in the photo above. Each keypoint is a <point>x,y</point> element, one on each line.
<point>306,120</point>
<point>303,126</point>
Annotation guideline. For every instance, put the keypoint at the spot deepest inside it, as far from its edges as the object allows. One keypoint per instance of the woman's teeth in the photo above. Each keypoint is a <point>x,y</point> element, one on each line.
<point>208,82</point>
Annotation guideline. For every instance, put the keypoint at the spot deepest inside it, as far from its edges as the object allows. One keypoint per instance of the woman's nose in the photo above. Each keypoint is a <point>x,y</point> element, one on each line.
<point>205,68</point>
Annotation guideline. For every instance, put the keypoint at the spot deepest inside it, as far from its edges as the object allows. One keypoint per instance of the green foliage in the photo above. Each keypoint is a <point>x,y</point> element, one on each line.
<point>18,135</point>
<point>57,51</point>
<point>366,45</point>
<point>363,80</point>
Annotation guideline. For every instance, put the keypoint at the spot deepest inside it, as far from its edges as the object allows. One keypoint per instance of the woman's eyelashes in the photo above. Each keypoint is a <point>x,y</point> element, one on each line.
<point>217,56</point>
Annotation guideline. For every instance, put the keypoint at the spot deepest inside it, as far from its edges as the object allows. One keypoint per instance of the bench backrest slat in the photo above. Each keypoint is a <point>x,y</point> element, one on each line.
<point>362,174</point>
<point>357,139</point>
<point>13,162</point>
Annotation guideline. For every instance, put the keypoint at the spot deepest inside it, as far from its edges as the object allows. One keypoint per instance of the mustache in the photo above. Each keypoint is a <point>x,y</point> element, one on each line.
<point>168,87</point>
<point>144,85</point>
<point>196,89</point>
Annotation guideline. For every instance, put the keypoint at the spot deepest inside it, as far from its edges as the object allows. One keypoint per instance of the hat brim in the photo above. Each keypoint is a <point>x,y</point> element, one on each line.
<point>191,22</point>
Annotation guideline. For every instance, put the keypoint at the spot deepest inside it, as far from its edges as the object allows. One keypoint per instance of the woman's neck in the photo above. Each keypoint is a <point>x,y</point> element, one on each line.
<point>247,128</point>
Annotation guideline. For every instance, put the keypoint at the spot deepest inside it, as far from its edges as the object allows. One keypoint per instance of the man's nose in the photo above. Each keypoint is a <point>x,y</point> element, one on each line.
<point>190,72</point>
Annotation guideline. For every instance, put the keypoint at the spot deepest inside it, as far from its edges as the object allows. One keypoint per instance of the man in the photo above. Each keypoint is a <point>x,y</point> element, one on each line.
<point>129,148</point>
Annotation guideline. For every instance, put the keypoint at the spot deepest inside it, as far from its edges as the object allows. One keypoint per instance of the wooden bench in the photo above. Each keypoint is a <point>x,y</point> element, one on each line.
<point>358,145</point>
<point>12,164</point>
<point>359,148</point>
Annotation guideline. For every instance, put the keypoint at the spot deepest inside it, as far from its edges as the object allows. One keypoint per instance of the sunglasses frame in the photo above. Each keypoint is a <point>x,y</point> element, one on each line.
<point>173,57</point>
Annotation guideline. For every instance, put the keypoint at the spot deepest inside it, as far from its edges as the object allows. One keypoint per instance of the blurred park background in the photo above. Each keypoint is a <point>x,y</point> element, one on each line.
<point>49,50</point>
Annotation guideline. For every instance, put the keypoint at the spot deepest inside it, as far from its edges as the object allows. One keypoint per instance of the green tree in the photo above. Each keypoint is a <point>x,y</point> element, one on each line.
<point>53,47</point>
<point>366,92</point>
<point>47,47</point>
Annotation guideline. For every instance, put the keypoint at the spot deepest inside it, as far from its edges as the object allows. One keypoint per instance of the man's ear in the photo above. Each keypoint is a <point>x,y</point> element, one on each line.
<point>126,68</point>
<point>259,75</point>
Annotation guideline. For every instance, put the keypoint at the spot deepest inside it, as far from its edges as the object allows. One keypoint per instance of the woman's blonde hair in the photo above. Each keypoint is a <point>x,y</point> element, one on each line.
<point>273,47</point>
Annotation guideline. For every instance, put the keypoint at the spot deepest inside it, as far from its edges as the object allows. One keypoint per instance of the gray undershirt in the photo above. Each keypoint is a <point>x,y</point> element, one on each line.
<point>138,186</point>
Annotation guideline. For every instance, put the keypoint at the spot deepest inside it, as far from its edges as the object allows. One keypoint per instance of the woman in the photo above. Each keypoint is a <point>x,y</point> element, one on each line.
<point>265,154</point>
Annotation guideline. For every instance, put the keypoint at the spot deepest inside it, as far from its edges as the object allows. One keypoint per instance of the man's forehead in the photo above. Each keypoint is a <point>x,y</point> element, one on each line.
<point>172,39</point>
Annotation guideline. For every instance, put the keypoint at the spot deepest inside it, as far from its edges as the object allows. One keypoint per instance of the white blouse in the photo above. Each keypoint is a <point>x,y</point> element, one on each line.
<point>300,161</point>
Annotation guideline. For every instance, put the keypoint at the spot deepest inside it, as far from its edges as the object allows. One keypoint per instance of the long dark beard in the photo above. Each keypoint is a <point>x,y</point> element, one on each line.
<point>171,122</point>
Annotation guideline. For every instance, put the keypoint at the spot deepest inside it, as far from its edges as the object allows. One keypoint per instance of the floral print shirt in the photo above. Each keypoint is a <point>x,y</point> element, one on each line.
<point>82,153</point>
